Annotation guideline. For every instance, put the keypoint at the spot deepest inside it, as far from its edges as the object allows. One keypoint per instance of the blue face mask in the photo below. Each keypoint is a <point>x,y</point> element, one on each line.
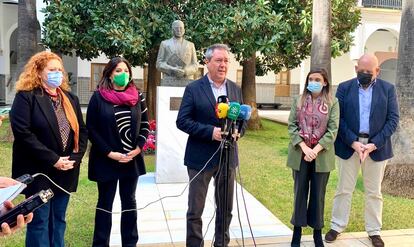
<point>54,79</point>
<point>314,87</point>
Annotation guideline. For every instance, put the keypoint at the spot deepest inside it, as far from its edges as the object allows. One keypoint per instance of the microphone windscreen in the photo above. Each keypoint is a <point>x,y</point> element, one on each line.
<point>245,112</point>
<point>222,99</point>
<point>222,109</point>
<point>234,111</point>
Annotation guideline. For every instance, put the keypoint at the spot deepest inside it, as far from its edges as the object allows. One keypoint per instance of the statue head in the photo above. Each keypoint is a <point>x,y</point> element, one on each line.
<point>178,29</point>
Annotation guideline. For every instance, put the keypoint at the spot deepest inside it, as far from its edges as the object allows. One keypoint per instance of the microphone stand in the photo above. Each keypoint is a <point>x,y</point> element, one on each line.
<point>225,166</point>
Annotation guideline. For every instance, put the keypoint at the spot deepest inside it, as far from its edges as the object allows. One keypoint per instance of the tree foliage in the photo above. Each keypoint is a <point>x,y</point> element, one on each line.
<point>280,30</point>
<point>117,27</point>
<point>275,34</point>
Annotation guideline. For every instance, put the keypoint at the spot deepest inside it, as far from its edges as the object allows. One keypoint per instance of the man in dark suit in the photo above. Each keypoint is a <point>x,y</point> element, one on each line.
<point>368,117</point>
<point>198,119</point>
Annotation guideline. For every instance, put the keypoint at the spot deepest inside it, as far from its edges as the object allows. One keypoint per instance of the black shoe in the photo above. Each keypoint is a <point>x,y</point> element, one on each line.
<point>331,236</point>
<point>317,238</point>
<point>297,235</point>
<point>376,241</point>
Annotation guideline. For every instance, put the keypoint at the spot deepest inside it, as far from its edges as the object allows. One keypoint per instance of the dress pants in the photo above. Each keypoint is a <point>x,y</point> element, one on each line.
<point>373,173</point>
<point>309,193</point>
<point>103,220</point>
<point>196,202</point>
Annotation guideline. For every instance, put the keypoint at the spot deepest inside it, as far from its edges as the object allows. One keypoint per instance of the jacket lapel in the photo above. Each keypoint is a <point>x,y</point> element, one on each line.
<point>374,99</point>
<point>49,114</point>
<point>354,97</point>
<point>207,90</point>
<point>231,92</point>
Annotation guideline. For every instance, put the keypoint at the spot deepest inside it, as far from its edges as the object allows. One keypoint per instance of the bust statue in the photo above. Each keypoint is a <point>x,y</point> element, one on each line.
<point>177,58</point>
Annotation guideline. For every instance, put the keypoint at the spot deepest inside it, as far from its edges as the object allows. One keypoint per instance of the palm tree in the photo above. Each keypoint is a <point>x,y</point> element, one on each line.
<point>321,35</point>
<point>399,174</point>
<point>27,33</point>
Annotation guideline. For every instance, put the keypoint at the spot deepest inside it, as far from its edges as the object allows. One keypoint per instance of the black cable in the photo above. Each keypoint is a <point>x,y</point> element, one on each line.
<point>128,210</point>
<point>245,208</point>
<point>218,174</point>
<point>238,214</point>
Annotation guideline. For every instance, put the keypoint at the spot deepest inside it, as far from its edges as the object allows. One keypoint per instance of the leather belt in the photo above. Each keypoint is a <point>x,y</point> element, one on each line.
<point>363,135</point>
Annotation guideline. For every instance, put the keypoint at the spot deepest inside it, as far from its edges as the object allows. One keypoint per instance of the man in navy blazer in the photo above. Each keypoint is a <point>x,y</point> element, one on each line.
<point>368,117</point>
<point>198,119</point>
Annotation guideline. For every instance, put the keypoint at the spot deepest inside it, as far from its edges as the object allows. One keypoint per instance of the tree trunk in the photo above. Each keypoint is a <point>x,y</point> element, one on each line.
<point>153,80</point>
<point>399,175</point>
<point>321,36</point>
<point>27,31</point>
<point>249,91</point>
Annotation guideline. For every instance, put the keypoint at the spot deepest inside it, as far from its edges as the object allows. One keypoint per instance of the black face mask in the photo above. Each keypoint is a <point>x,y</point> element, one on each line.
<point>364,78</point>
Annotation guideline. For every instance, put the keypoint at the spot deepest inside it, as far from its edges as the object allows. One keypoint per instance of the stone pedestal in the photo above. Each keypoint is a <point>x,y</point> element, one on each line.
<point>171,141</point>
<point>169,81</point>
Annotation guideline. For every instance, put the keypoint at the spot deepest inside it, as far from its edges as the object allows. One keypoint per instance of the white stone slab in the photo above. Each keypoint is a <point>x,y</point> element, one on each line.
<point>171,141</point>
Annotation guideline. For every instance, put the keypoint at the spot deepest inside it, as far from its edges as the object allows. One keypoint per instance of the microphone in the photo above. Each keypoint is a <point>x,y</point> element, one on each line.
<point>245,114</point>
<point>234,111</point>
<point>221,110</point>
<point>233,114</point>
<point>222,99</point>
<point>221,113</point>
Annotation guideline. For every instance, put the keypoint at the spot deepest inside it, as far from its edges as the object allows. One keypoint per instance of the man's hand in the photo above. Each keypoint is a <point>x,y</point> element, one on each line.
<point>368,148</point>
<point>359,149</point>
<point>217,134</point>
<point>21,221</point>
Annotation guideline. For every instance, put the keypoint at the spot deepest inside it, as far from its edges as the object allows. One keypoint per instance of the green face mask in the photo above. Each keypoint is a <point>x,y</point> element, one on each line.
<point>122,79</point>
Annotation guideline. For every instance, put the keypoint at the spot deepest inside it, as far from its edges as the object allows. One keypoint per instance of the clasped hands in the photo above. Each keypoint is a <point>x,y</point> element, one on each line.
<point>124,157</point>
<point>64,163</point>
<point>310,153</point>
<point>363,150</point>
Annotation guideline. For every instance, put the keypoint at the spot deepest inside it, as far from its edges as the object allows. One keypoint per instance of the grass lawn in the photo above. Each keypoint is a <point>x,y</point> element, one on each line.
<point>263,157</point>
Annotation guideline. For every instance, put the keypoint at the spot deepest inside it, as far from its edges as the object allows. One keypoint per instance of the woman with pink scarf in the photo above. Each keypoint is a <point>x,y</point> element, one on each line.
<point>313,126</point>
<point>118,127</point>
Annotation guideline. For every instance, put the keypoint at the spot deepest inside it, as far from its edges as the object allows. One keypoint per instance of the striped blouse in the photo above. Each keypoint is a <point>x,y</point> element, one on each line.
<point>123,121</point>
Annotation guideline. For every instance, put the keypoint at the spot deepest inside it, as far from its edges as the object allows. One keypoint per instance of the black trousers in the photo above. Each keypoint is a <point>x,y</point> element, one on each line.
<point>103,220</point>
<point>309,193</point>
<point>196,202</point>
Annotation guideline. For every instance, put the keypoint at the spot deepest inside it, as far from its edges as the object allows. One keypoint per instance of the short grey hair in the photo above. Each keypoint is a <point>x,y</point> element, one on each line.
<point>209,52</point>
